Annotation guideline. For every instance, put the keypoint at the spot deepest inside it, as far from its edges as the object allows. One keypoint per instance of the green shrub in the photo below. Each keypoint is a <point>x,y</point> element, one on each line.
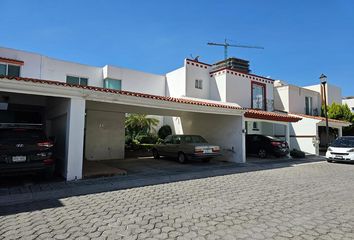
<point>164,131</point>
<point>128,140</point>
<point>297,153</point>
<point>147,139</point>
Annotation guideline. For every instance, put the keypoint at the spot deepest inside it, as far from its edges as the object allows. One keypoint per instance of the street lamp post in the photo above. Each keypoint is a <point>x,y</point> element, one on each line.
<point>323,79</point>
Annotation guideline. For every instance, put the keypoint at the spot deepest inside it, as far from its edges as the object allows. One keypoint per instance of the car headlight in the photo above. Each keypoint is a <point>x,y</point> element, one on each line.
<point>329,149</point>
<point>351,150</point>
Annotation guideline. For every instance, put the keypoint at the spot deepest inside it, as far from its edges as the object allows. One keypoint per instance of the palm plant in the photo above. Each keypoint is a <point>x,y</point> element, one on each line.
<point>139,124</point>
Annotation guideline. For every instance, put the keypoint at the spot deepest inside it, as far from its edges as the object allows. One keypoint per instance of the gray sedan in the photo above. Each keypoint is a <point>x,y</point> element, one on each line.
<point>186,147</point>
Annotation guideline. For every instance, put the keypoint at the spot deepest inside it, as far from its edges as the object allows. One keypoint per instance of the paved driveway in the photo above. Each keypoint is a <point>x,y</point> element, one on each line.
<point>309,201</point>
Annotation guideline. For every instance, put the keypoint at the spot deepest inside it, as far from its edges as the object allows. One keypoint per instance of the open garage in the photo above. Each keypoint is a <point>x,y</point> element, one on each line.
<point>105,129</point>
<point>98,134</point>
<point>47,113</point>
<point>87,123</point>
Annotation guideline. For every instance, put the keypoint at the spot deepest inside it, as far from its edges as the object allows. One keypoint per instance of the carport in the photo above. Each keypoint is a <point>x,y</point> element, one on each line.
<point>270,123</point>
<point>220,124</point>
<point>308,134</point>
<point>103,133</point>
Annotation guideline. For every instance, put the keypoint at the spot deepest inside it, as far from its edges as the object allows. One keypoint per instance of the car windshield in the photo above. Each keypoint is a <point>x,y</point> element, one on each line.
<point>345,142</point>
<point>18,134</point>
<point>193,139</point>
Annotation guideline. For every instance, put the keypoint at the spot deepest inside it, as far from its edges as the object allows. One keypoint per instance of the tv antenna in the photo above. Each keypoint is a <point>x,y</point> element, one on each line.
<point>226,45</point>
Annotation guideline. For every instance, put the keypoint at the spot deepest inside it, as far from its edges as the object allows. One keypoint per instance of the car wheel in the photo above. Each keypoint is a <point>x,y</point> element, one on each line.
<point>206,160</point>
<point>155,154</point>
<point>182,157</point>
<point>330,161</point>
<point>262,153</point>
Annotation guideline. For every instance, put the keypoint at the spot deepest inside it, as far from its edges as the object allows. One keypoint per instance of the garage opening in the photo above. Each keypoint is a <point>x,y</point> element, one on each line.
<point>266,139</point>
<point>34,114</point>
<point>109,147</point>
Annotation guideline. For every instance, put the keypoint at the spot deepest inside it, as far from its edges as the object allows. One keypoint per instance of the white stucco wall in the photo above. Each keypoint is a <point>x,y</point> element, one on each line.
<point>291,99</point>
<point>201,72</point>
<point>238,88</point>
<point>350,103</point>
<point>218,87</point>
<point>57,70</point>
<point>136,81</point>
<point>281,98</point>
<point>43,67</point>
<point>33,61</point>
<point>304,134</point>
<point>225,131</point>
<point>176,83</point>
<point>334,93</point>
<point>297,97</point>
<point>105,135</point>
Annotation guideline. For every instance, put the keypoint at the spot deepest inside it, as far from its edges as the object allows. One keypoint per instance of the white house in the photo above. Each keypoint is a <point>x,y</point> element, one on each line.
<point>307,134</point>
<point>350,102</point>
<point>84,106</point>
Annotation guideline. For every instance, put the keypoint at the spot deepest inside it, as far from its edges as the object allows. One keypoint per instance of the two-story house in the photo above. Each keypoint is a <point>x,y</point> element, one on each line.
<point>84,107</point>
<point>309,133</point>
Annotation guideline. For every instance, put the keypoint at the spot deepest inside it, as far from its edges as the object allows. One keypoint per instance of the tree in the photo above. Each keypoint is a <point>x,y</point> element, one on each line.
<point>139,124</point>
<point>164,131</point>
<point>341,112</point>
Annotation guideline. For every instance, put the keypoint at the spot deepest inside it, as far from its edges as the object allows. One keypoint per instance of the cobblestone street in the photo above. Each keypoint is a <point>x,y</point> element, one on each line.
<point>309,201</point>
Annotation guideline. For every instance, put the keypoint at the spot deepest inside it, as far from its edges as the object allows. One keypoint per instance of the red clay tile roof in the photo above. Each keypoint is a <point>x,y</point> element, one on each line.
<point>249,74</point>
<point>250,113</point>
<point>128,93</point>
<point>320,118</point>
<point>264,115</point>
<point>9,60</point>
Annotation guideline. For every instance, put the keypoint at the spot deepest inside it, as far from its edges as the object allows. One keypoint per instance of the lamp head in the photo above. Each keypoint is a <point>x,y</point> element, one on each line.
<point>323,78</point>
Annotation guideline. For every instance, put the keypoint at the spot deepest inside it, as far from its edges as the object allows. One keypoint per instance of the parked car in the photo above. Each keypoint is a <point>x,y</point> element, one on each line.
<point>266,145</point>
<point>342,149</point>
<point>185,147</point>
<point>25,149</point>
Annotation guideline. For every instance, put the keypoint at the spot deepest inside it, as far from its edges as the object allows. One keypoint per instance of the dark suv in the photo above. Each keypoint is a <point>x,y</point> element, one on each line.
<point>266,145</point>
<point>25,149</point>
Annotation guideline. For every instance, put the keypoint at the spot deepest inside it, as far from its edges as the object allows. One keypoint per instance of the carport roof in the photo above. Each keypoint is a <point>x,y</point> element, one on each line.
<point>122,92</point>
<point>322,119</point>
<point>249,113</point>
<point>271,116</point>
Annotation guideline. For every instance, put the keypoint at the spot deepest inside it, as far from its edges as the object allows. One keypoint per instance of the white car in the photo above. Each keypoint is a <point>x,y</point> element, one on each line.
<point>342,149</point>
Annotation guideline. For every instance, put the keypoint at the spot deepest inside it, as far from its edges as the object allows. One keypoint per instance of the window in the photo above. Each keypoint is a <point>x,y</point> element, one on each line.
<point>308,105</point>
<point>199,84</point>
<point>77,80</point>
<point>352,109</point>
<point>10,70</point>
<point>176,140</point>
<point>258,96</point>
<point>255,126</point>
<point>2,69</point>
<point>113,84</point>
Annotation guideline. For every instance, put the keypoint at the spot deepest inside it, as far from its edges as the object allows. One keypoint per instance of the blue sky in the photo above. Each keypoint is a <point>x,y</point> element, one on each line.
<point>302,39</point>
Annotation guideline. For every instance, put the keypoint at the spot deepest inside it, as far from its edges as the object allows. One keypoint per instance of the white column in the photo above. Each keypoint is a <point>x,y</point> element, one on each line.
<point>243,140</point>
<point>340,132</point>
<point>75,139</point>
<point>287,134</point>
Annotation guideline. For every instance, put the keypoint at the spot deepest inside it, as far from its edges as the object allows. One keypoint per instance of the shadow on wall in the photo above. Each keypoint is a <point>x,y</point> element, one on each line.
<point>214,90</point>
